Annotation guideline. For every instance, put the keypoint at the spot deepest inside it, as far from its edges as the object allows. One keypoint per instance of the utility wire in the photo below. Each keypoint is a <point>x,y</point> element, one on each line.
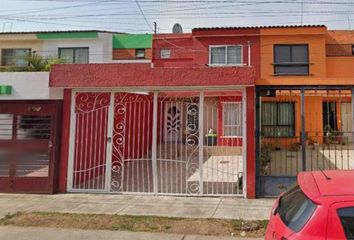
<point>142,13</point>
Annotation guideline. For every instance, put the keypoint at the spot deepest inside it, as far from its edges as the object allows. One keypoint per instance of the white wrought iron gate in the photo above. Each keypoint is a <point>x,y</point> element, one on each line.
<point>179,143</point>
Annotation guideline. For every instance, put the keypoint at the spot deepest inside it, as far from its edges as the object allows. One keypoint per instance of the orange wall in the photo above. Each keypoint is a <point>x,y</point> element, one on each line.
<point>324,70</point>
<point>314,37</point>
<point>313,117</point>
<point>341,68</point>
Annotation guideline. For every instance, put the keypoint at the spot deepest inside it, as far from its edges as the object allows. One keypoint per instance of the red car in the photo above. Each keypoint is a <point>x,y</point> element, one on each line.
<point>321,206</point>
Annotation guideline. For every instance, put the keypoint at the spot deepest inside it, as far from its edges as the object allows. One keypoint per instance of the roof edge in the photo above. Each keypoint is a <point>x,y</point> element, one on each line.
<point>261,27</point>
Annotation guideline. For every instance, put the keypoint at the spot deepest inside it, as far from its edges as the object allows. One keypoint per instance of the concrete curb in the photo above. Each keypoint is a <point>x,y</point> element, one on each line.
<point>34,233</point>
<point>187,207</point>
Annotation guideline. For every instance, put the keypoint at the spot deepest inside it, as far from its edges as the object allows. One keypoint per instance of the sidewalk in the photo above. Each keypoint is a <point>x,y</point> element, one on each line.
<point>190,207</point>
<point>30,233</point>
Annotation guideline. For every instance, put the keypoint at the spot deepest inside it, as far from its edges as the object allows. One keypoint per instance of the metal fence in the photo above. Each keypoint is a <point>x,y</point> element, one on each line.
<point>179,143</point>
<point>302,130</point>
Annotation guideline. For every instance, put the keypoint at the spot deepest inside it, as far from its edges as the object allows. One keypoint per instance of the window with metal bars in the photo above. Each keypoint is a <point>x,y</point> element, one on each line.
<point>232,119</point>
<point>278,119</point>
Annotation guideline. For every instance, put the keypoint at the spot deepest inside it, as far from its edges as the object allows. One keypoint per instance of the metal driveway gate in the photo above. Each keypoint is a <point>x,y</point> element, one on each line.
<point>180,143</point>
<point>302,129</point>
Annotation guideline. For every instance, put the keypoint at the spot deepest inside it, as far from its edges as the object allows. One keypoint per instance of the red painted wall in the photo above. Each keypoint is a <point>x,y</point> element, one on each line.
<point>142,75</point>
<point>226,141</point>
<point>92,111</point>
<point>185,67</point>
<point>65,134</point>
<point>250,135</point>
<point>132,133</point>
<point>192,50</point>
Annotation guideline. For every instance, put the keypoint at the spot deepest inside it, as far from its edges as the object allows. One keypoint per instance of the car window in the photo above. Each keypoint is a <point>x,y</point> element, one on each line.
<point>346,216</point>
<point>295,209</point>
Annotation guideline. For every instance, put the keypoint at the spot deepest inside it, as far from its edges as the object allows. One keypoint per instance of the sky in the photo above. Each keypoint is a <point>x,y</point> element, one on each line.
<point>137,16</point>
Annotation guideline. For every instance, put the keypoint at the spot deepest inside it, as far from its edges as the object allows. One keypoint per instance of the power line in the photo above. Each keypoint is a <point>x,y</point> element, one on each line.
<point>178,10</point>
<point>142,13</point>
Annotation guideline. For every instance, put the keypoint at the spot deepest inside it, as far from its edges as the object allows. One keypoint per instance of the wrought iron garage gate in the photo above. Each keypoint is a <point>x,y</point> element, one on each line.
<point>302,129</point>
<point>180,143</point>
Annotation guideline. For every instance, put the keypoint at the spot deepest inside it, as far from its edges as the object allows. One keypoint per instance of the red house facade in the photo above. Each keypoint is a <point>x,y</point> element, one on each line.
<point>182,125</point>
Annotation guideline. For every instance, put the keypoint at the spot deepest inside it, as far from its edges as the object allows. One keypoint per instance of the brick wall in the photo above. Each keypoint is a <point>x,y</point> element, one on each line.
<point>128,54</point>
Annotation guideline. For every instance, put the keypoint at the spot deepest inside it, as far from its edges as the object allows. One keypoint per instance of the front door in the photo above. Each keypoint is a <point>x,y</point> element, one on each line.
<point>329,116</point>
<point>173,120</point>
<point>28,146</point>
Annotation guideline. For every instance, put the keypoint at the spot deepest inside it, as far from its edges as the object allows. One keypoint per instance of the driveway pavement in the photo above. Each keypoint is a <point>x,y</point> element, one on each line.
<point>190,207</point>
<point>31,233</point>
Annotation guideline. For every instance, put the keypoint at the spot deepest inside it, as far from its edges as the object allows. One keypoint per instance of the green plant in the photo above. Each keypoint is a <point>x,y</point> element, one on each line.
<point>333,136</point>
<point>294,147</point>
<point>266,155</point>
<point>310,140</point>
<point>36,63</point>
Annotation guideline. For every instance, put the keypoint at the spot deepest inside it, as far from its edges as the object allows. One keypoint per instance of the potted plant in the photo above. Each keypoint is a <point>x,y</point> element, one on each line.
<point>211,138</point>
<point>265,156</point>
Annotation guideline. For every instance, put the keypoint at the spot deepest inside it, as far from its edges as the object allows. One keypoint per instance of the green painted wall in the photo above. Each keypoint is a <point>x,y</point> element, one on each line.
<point>66,35</point>
<point>132,41</point>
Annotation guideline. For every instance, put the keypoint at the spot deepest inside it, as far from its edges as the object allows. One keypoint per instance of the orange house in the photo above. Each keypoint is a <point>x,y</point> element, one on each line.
<point>304,116</point>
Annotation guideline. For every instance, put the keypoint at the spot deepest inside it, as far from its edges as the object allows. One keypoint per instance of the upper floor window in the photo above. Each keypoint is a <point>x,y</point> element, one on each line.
<point>165,53</point>
<point>139,53</point>
<point>291,59</point>
<point>225,55</point>
<point>15,57</point>
<point>75,55</point>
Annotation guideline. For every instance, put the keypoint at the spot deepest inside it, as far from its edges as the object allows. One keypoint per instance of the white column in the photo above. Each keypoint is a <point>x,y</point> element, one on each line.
<point>110,123</point>
<point>154,143</point>
<point>244,141</point>
<point>72,135</point>
<point>201,140</point>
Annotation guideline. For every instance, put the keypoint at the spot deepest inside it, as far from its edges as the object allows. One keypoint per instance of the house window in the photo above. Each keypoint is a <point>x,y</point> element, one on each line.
<point>232,119</point>
<point>346,216</point>
<point>15,57</point>
<point>353,49</point>
<point>165,53</point>
<point>74,55</point>
<point>278,119</point>
<point>225,55</point>
<point>139,53</point>
<point>291,60</point>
